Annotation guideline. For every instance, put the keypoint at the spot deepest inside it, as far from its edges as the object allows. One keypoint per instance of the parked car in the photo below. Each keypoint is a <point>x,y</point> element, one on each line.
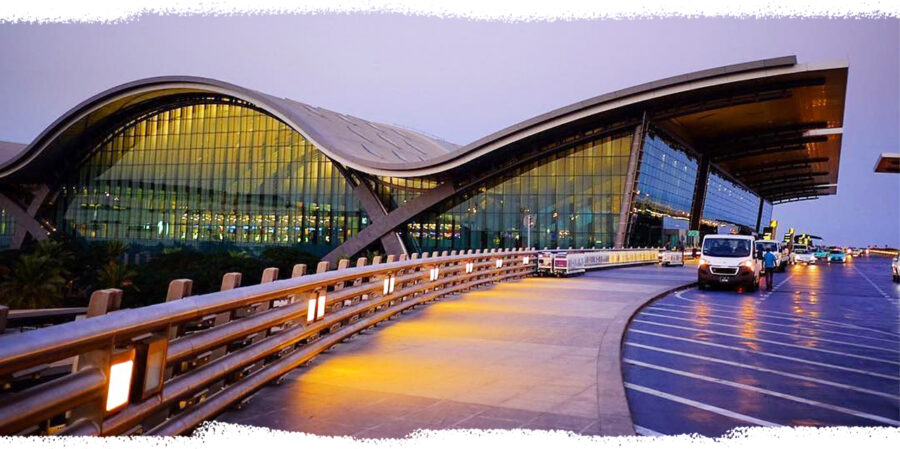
<point>821,253</point>
<point>837,255</point>
<point>801,254</point>
<point>728,259</point>
<point>775,247</point>
<point>895,268</point>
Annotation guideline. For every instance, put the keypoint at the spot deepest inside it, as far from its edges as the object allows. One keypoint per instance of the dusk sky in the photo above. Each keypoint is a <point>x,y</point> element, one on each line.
<point>461,80</point>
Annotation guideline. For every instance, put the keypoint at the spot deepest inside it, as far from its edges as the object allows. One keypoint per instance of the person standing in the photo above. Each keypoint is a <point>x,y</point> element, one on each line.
<point>769,261</point>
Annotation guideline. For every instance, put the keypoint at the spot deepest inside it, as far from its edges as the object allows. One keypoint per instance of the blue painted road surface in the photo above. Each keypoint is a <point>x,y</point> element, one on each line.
<point>822,349</point>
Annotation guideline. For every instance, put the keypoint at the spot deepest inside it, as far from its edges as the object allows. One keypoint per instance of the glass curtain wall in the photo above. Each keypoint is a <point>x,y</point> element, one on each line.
<point>766,216</point>
<point>729,204</point>
<point>661,207</point>
<point>7,229</point>
<point>222,174</point>
<point>574,197</point>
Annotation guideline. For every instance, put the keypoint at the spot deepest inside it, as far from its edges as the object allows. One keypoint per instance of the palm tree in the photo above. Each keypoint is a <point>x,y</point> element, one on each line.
<point>114,274</point>
<point>35,281</point>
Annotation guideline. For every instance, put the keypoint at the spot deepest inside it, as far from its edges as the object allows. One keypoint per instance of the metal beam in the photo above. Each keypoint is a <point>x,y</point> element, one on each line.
<point>779,166</point>
<point>783,147</point>
<point>763,181</point>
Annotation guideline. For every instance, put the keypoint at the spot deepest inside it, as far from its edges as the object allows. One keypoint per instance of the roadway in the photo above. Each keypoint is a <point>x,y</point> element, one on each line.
<point>540,353</point>
<point>822,349</point>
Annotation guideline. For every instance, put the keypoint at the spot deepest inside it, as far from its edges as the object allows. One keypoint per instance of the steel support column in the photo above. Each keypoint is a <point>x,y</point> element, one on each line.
<point>39,196</point>
<point>23,218</point>
<point>700,192</point>
<point>759,214</point>
<point>637,142</point>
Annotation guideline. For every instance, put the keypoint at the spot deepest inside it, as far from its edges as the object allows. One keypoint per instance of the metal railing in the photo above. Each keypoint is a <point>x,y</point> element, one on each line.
<point>164,369</point>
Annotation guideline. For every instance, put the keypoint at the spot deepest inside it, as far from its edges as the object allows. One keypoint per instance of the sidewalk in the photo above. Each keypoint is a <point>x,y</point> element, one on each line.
<point>541,353</point>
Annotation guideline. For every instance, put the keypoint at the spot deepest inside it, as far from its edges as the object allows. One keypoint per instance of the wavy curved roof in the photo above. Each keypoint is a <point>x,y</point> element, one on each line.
<point>382,149</point>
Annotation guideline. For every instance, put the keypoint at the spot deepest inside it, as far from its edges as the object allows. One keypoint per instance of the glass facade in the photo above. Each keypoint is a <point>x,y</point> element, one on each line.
<point>574,197</point>
<point>664,193</point>
<point>766,216</point>
<point>219,172</point>
<point>7,229</point>
<point>729,203</point>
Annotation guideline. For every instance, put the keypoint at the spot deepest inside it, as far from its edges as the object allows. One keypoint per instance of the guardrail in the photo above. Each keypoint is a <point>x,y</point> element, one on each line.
<point>165,368</point>
<point>26,319</point>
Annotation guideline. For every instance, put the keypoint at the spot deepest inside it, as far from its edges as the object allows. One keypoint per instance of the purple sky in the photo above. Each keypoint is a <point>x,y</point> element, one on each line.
<point>461,80</point>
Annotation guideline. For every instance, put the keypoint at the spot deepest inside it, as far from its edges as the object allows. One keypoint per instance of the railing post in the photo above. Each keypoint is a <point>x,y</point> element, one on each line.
<point>178,289</point>
<point>299,270</point>
<point>101,303</point>
<point>376,260</point>
<point>391,258</point>
<point>322,267</point>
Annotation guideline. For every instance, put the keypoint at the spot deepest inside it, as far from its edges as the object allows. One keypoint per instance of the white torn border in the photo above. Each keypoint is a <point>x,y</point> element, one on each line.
<point>106,11</point>
<point>232,436</point>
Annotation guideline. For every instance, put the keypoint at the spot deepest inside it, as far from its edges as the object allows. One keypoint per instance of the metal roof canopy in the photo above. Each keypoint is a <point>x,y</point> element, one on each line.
<point>780,136</point>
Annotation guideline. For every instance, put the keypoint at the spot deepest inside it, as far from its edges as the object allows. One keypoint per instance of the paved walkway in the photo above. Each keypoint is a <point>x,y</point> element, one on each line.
<point>540,353</point>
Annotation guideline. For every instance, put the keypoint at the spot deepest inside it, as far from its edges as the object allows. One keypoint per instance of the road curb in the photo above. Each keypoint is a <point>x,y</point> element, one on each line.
<point>614,413</point>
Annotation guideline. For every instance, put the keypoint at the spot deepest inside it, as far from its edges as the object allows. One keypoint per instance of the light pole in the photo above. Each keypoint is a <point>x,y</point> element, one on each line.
<point>528,222</point>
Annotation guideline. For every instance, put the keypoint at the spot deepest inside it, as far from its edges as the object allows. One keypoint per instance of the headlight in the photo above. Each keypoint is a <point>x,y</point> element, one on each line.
<point>748,263</point>
<point>703,261</point>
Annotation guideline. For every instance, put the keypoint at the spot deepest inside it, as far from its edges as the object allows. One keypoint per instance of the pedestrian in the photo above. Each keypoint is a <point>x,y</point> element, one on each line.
<point>769,261</point>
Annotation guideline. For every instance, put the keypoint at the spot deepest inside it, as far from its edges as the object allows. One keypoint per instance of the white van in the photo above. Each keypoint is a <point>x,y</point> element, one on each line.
<point>729,260</point>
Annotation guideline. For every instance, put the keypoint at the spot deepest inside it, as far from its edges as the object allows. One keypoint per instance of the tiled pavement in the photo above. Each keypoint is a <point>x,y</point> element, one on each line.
<point>539,353</point>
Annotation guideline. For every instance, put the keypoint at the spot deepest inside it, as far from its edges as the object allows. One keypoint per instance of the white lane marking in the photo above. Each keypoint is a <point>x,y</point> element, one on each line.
<point>774,314</point>
<point>769,354</point>
<point>789,397</point>
<point>643,431</point>
<point>665,308</point>
<point>888,297</point>
<point>701,406</point>
<point>766,295</point>
<point>893,397</point>
<point>774,342</point>
<point>776,333</point>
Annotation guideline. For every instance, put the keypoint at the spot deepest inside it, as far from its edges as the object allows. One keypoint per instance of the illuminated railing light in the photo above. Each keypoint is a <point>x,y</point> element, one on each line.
<point>121,369</point>
<point>387,285</point>
<point>470,267</point>
<point>391,285</point>
<point>311,310</point>
<point>525,260</point>
<point>499,263</point>
<point>320,309</point>
<point>433,273</point>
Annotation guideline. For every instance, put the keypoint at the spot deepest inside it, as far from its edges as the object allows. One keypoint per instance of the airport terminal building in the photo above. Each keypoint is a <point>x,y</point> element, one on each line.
<point>175,161</point>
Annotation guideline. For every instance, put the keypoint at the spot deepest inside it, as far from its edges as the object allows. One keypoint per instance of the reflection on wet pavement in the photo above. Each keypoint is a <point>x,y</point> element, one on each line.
<point>822,349</point>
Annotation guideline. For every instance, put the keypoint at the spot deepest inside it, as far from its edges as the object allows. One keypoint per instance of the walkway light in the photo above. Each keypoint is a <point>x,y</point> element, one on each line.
<point>388,285</point>
<point>433,273</point>
<point>470,266</point>
<point>499,263</point>
<point>121,368</point>
<point>311,310</point>
<point>525,260</point>
<point>320,312</point>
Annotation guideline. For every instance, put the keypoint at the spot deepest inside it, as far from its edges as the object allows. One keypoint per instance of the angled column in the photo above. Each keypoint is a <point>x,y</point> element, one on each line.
<point>700,192</point>
<point>637,142</point>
